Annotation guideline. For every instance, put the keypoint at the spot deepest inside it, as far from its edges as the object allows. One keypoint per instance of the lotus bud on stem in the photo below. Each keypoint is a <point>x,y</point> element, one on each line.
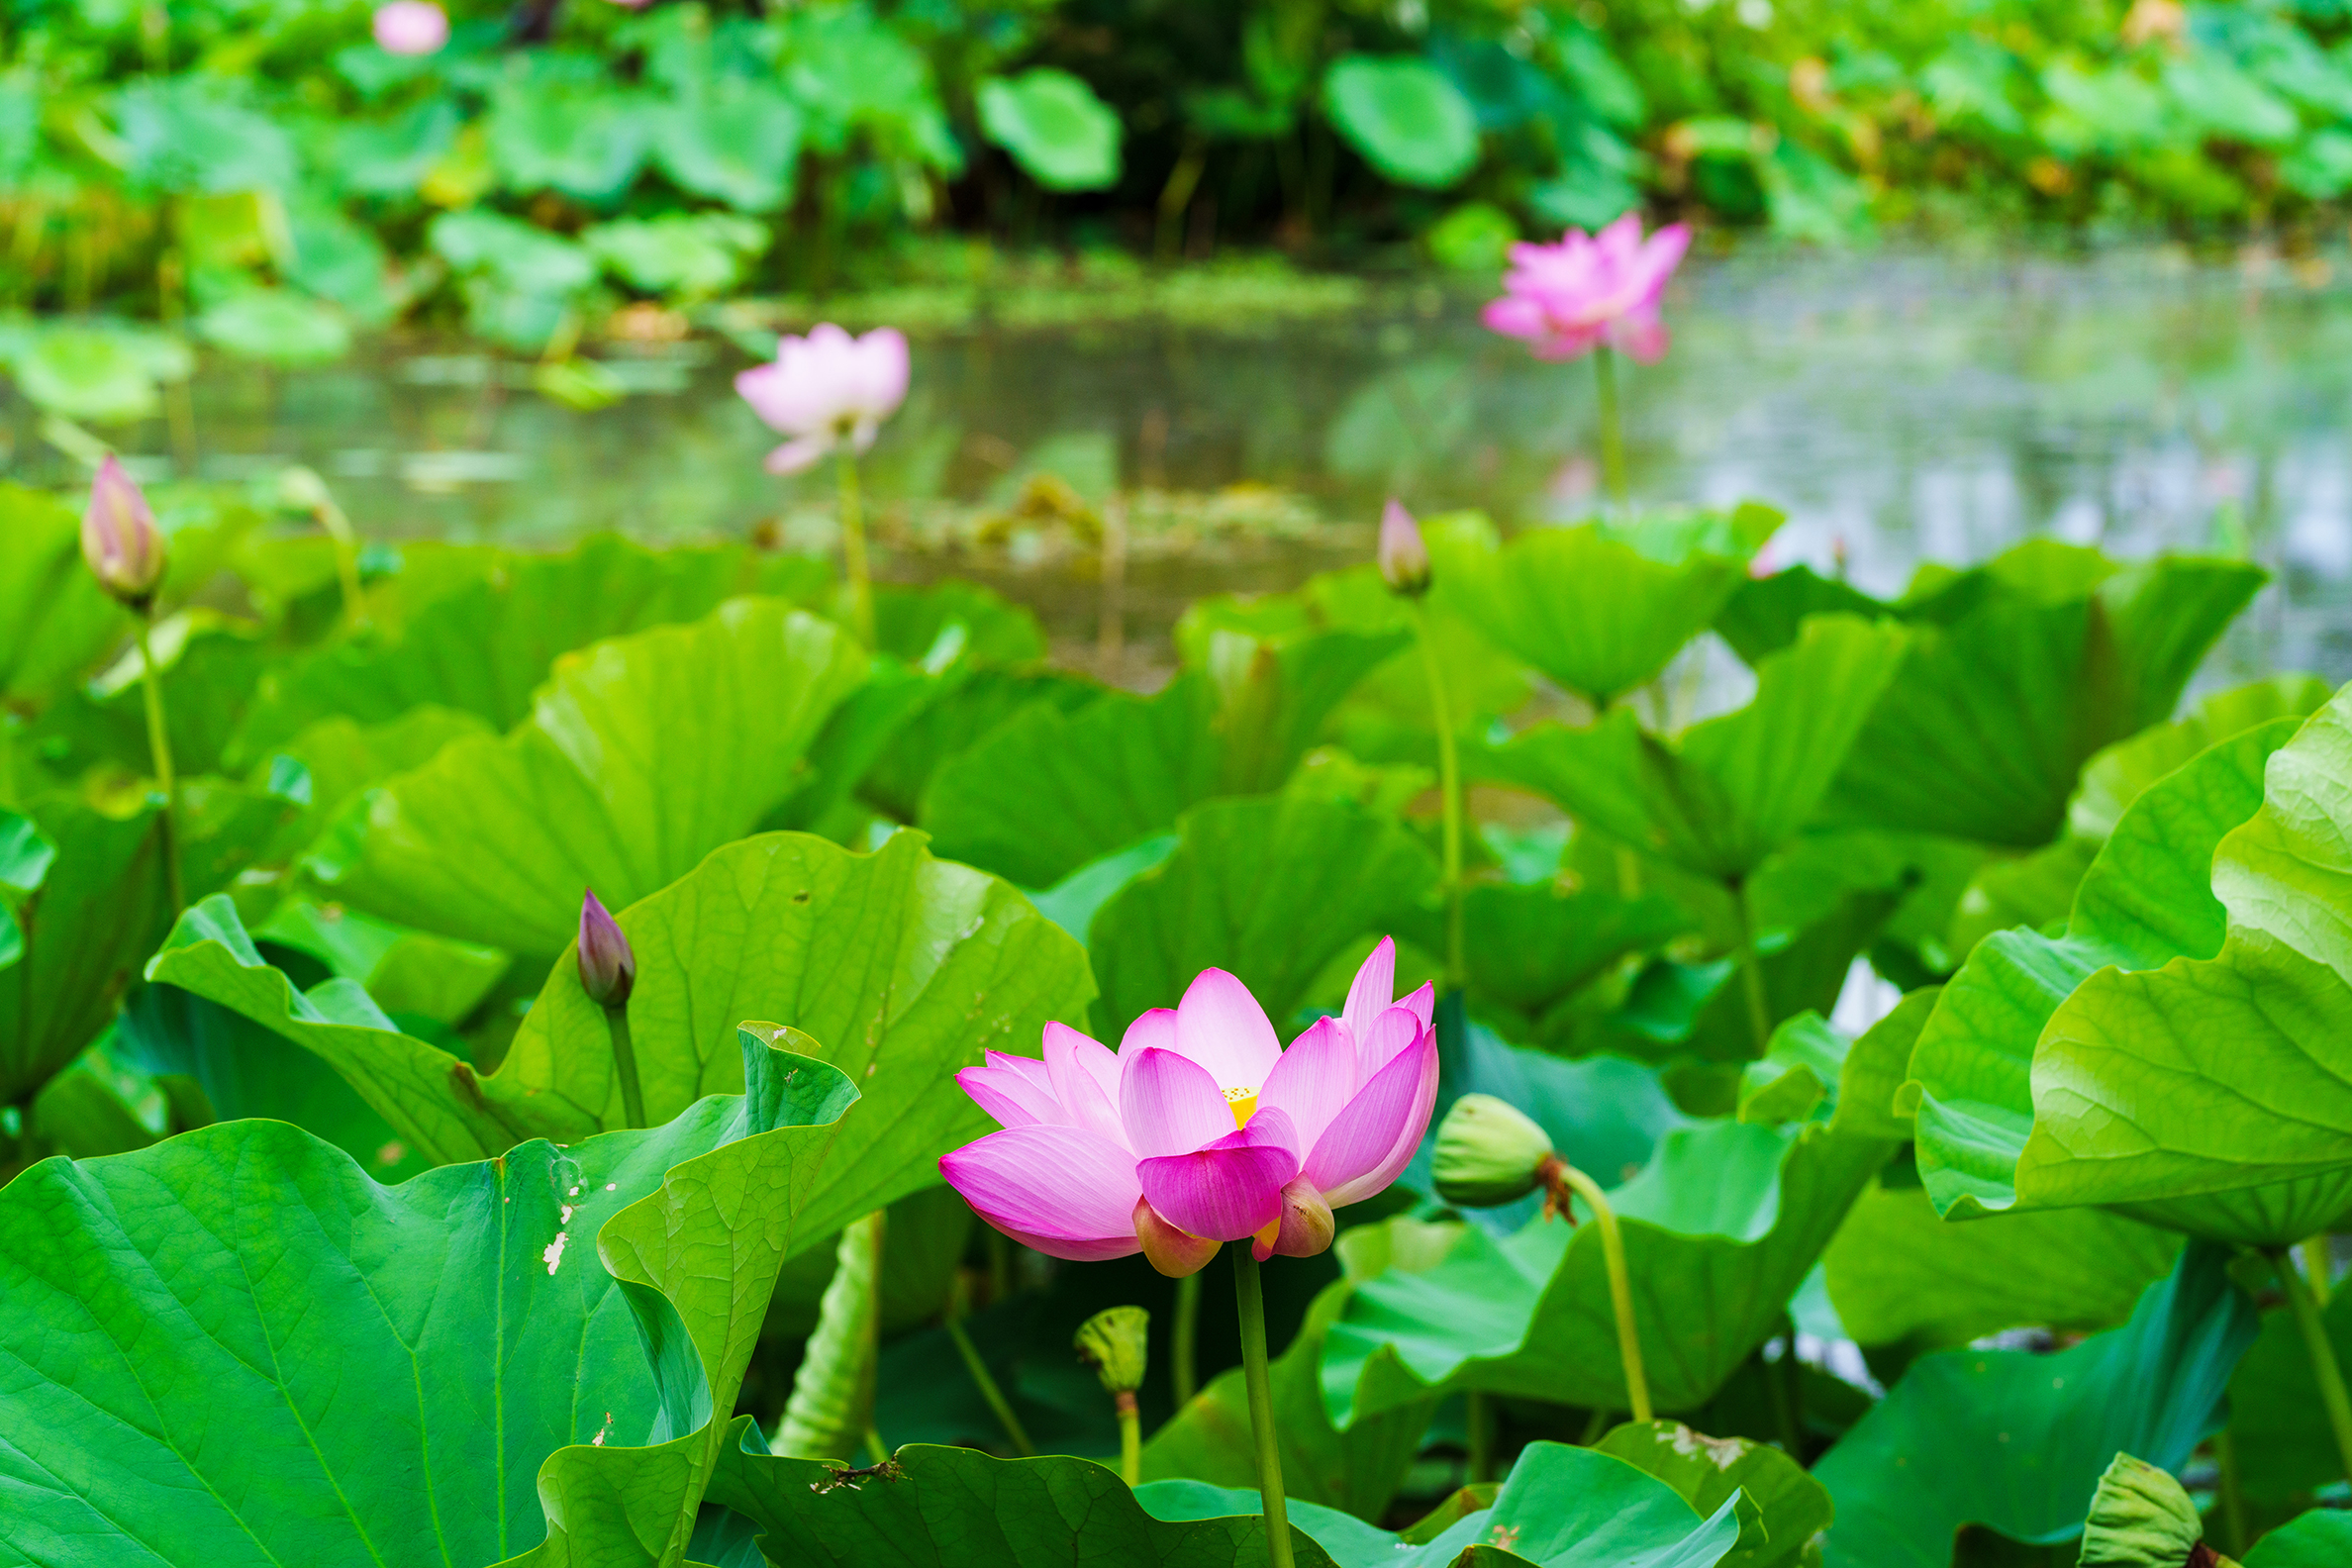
<point>125,552</point>
<point>1404,560</point>
<point>1116,1342</point>
<point>1490,1153</point>
<point>2141,1517</point>
<point>982,1378</point>
<point>608,973</point>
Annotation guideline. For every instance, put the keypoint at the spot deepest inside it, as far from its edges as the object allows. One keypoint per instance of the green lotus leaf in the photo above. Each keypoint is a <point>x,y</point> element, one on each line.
<point>965,707</point>
<point>404,971</point>
<point>2285,1450</point>
<point>1061,135</point>
<point>1585,607</point>
<point>1898,1271</point>
<point>2015,1441</point>
<point>585,141</point>
<point>1732,789</point>
<point>344,756</point>
<point>2122,774</point>
<point>1048,791</point>
<point>2318,1539</point>
<point>1707,1471</point>
<point>485,645</point>
<point>1270,889</point>
<point>641,756</point>
<point>2019,671</point>
<point>1403,114</point>
<point>394,1363</point>
<point>55,620</point>
<point>910,965</point>
<point>277,326</point>
<point>1721,1227</point>
<point>1529,949</point>
<point>736,142</point>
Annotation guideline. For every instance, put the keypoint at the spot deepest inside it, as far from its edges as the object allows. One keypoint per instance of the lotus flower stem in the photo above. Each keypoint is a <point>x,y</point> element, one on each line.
<point>1449,785</point>
<point>159,749</point>
<point>1752,972</point>
<point>2318,1267</point>
<point>1184,1348</point>
<point>853,553</point>
<point>624,1067</point>
<point>2233,1502</point>
<point>1781,1379</point>
<point>1130,1438</point>
<point>2324,1368</point>
<point>1620,1283</point>
<point>1478,1416</point>
<point>1613,431</point>
<point>982,1378</point>
<point>1251,1297</point>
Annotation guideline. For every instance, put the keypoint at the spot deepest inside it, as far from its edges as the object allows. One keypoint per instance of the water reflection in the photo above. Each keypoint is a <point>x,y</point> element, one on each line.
<point>1899,408</point>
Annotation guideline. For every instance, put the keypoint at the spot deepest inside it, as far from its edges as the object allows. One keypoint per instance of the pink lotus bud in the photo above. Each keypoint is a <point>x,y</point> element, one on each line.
<point>1403,559</point>
<point>119,537</point>
<point>411,26</point>
<point>608,967</point>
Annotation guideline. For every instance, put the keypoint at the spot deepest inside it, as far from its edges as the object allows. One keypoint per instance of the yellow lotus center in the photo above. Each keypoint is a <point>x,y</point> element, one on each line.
<point>1243,1103</point>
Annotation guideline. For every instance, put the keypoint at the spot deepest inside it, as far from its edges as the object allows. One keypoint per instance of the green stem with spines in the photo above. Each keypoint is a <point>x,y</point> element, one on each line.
<point>853,551</point>
<point>2325,1370</point>
<point>624,1067</point>
<point>1251,1296</point>
<point>1621,1281</point>
<point>1449,786</point>
<point>159,751</point>
<point>1613,431</point>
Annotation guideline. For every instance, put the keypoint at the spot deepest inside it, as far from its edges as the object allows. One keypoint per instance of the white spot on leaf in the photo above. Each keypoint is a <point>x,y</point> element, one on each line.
<point>555,1251</point>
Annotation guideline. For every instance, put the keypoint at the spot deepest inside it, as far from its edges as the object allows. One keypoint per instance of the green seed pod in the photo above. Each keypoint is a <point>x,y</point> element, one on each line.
<point>1488,1151</point>
<point>2140,1518</point>
<point>1113,1342</point>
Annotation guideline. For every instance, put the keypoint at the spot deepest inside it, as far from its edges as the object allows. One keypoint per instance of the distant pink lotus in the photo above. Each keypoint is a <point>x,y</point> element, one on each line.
<point>1569,298</point>
<point>411,26</point>
<point>1202,1130</point>
<point>826,390</point>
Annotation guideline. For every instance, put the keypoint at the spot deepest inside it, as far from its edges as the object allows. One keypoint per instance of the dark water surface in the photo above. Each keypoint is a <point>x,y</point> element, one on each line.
<point>1898,407</point>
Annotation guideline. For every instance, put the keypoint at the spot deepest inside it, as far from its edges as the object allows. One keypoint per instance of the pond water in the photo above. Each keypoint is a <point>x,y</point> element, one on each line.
<point>1898,407</point>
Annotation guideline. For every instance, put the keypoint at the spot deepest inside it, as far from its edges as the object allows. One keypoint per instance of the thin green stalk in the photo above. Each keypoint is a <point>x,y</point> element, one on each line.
<point>1477,1414</point>
<point>160,749</point>
<point>8,730</point>
<point>1612,431</point>
<point>2325,1370</point>
<point>1183,1364</point>
<point>875,1452</point>
<point>1130,1438</point>
<point>1752,972</point>
<point>1781,1376</point>
<point>853,551</point>
<point>1449,785</point>
<point>2233,1502</point>
<point>982,1379</point>
<point>1596,1427</point>
<point>1621,1284</point>
<point>624,1067</point>
<point>1251,1297</point>
<point>2318,1267</point>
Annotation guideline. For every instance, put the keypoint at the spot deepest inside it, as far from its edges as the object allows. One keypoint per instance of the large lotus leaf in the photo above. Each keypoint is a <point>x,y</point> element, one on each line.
<point>1897,1270</point>
<point>1529,949</point>
<point>584,143</point>
<point>1061,135</point>
<point>54,621</point>
<point>641,756</point>
<point>1721,1227</point>
<point>1705,1471</point>
<point>1561,1508</point>
<point>2122,774</point>
<point>2286,1451</point>
<point>1586,608</point>
<point>2015,1441</point>
<point>1733,788</point>
<point>344,756</point>
<point>1405,116</point>
<point>1050,790</point>
<point>1982,732</point>
<point>485,646</point>
<point>1270,889</point>
<point>910,967</point>
<point>960,711</point>
<point>2145,900</point>
<point>733,140</point>
<point>2320,1538</point>
<point>1357,1471</point>
<point>235,1348</point>
<point>101,908</point>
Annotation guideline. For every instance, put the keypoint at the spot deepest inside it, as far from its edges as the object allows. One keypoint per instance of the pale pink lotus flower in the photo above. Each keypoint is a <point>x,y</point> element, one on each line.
<point>411,26</point>
<point>1403,557</point>
<point>1202,1130</point>
<point>119,538</point>
<point>1569,298</point>
<point>825,389</point>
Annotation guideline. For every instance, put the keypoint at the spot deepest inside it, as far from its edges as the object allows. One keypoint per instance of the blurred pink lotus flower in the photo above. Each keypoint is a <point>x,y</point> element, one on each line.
<point>1569,298</point>
<point>1403,557</point>
<point>825,389</point>
<point>1202,1130</point>
<point>119,538</point>
<point>411,26</point>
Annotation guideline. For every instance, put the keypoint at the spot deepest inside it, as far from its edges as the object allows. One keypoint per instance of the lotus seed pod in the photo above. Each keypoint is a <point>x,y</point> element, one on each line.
<point>608,965</point>
<point>1489,1153</point>
<point>119,537</point>
<point>1114,1341</point>
<point>1403,559</point>
<point>2140,1518</point>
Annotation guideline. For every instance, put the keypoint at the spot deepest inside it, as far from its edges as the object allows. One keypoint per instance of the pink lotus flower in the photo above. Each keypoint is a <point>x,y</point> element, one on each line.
<point>1569,298</point>
<point>411,26</point>
<point>825,389</point>
<point>1202,1130</point>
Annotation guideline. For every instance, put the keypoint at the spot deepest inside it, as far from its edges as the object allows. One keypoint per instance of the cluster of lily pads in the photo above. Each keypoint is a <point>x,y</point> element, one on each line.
<point>365,1199</point>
